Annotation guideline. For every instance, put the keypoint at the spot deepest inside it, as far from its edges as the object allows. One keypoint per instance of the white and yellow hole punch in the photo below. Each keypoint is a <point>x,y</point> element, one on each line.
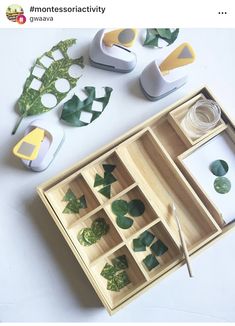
<point>40,144</point>
<point>110,51</point>
<point>159,80</point>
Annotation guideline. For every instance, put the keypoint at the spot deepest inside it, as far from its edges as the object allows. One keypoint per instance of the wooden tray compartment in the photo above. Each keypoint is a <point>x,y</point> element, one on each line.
<point>124,179</point>
<point>159,176</point>
<point>169,259</point>
<point>134,273</point>
<point>140,222</point>
<point>106,244</point>
<point>176,116</point>
<point>211,205</point>
<point>79,187</point>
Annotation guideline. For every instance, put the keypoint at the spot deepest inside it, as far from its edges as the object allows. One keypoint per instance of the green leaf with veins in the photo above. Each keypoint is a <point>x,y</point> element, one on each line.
<point>73,108</point>
<point>30,102</point>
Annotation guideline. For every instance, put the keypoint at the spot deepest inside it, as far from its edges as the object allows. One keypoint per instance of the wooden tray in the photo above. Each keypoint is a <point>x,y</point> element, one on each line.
<point>148,167</point>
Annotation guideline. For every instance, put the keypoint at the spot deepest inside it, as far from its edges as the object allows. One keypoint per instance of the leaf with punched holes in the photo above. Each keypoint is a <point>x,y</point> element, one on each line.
<point>73,108</point>
<point>30,101</point>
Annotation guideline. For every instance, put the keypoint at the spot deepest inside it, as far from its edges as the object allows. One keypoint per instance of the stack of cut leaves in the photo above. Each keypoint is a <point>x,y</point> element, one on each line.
<point>158,248</point>
<point>105,181</point>
<point>115,273</point>
<point>89,236</point>
<point>74,204</point>
<point>156,37</point>
<point>121,208</point>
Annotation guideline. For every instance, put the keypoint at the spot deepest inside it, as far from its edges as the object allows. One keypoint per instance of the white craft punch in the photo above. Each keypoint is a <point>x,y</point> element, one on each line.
<point>40,144</point>
<point>159,80</point>
<point>107,51</point>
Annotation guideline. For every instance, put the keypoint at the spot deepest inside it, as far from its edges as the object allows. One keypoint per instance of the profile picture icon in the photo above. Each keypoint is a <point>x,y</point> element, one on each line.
<point>15,14</point>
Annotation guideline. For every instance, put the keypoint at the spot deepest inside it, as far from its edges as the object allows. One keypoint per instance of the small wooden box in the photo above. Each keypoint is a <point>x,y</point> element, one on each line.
<point>147,160</point>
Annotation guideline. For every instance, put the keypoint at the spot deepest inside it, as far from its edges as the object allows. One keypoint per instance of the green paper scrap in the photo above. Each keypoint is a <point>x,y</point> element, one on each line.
<point>222,185</point>
<point>115,274</point>
<point>124,222</point>
<point>108,271</point>
<point>121,280</point>
<point>138,245</point>
<point>99,181</point>
<point>146,238</point>
<point>150,262</point>
<point>119,207</point>
<point>108,167</point>
<point>74,205</point>
<point>159,248</point>
<point>219,168</point>
<point>136,207</point>
<point>106,191</point>
<point>109,178</point>
<point>120,262</point>
<point>89,236</point>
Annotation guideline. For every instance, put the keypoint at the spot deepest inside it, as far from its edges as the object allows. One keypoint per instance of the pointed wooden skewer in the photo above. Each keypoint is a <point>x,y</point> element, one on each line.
<point>184,247</point>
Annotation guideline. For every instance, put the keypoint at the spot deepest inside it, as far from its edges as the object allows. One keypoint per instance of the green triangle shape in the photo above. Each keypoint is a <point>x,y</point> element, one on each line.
<point>106,191</point>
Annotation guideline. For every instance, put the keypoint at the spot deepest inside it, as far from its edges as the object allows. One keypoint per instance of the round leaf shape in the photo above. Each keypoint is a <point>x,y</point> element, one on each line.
<point>222,185</point>
<point>219,168</point>
<point>119,207</point>
<point>136,207</point>
<point>124,222</point>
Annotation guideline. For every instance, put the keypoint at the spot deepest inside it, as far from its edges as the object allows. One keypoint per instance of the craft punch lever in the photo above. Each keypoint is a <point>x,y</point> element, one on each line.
<point>159,80</point>
<point>109,50</point>
<point>40,144</point>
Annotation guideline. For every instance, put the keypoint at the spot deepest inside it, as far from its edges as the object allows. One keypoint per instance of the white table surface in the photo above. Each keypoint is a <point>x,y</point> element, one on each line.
<point>40,280</point>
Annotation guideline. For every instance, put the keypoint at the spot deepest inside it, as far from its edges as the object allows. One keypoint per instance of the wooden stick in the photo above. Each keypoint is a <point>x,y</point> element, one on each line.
<point>184,247</point>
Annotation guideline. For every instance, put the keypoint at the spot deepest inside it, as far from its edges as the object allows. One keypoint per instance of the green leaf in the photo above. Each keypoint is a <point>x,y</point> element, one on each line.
<point>219,168</point>
<point>89,236</point>
<point>100,227</point>
<point>138,245</point>
<point>150,262</point>
<point>30,102</point>
<point>112,285</point>
<point>69,196</point>
<point>164,33</point>
<point>81,239</point>
<point>109,168</point>
<point>82,202</point>
<point>159,248</point>
<point>121,280</point>
<point>136,207</point>
<point>119,207</point>
<point>98,180</point>
<point>108,271</point>
<point>153,35</point>
<point>106,191</point>
<point>124,222</point>
<point>120,262</point>
<point>73,108</point>
<point>147,238</point>
<point>73,207</point>
<point>109,178</point>
<point>222,185</point>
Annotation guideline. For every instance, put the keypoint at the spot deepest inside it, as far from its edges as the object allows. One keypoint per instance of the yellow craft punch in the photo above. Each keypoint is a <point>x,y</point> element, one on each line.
<point>109,50</point>
<point>40,144</point>
<point>159,80</point>
<point>122,36</point>
<point>28,147</point>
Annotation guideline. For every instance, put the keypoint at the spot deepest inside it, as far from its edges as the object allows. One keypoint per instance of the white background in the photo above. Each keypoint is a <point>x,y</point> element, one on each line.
<point>40,280</point>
